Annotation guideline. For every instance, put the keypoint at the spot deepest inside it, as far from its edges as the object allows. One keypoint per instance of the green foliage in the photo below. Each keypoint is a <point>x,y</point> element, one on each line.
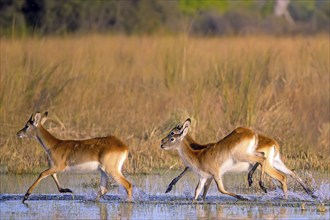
<point>267,8</point>
<point>243,4</point>
<point>193,6</point>
<point>214,17</point>
<point>65,16</point>
<point>303,9</point>
<point>11,17</point>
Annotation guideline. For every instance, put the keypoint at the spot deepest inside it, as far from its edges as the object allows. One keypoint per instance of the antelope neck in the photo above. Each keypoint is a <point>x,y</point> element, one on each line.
<point>188,155</point>
<point>47,140</point>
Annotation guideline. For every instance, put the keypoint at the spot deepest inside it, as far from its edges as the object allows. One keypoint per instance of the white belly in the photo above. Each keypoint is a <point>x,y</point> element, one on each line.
<point>239,167</point>
<point>234,167</point>
<point>89,166</point>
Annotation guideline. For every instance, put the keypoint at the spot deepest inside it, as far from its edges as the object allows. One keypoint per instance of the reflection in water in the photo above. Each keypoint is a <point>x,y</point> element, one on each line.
<point>114,210</point>
<point>103,211</point>
<point>57,209</point>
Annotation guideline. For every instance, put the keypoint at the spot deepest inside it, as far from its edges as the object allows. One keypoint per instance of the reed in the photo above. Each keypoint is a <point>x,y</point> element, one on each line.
<point>138,87</point>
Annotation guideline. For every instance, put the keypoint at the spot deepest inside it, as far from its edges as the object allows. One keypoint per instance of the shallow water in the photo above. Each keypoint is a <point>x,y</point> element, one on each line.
<point>75,209</point>
<point>151,202</point>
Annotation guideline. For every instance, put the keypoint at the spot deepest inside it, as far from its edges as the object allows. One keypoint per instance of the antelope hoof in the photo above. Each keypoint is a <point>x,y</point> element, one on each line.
<point>314,196</point>
<point>100,196</point>
<point>262,186</point>
<point>129,199</point>
<point>26,196</point>
<point>169,188</point>
<point>65,191</point>
<point>129,196</point>
<point>242,198</point>
<point>250,180</point>
<point>194,202</point>
<point>311,193</point>
<point>103,191</point>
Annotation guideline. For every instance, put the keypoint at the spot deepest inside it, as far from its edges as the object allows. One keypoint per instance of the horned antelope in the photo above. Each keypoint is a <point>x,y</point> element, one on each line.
<point>270,149</point>
<point>106,154</point>
<point>233,153</point>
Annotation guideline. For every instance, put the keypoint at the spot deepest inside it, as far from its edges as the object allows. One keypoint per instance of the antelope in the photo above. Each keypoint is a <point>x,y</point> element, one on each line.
<point>269,148</point>
<point>106,154</point>
<point>233,153</point>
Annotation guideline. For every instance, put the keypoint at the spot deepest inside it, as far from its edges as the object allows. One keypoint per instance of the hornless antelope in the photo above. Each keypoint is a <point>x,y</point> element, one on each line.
<point>270,149</point>
<point>106,154</point>
<point>234,153</point>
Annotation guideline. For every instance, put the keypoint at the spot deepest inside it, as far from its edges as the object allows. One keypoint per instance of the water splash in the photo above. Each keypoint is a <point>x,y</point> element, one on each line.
<point>187,190</point>
<point>276,194</point>
<point>323,192</point>
<point>91,195</point>
<point>122,193</point>
<point>139,194</point>
<point>299,196</point>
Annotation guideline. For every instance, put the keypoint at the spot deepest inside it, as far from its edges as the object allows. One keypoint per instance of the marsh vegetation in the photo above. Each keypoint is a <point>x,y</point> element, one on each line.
<point>139,87</point>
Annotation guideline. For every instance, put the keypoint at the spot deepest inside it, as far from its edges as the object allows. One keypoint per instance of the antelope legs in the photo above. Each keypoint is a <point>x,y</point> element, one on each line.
<point>206,187</point>
<point>199,188</point>
<point>103,184</point>
<point>175,180</point>
<point>42,175</point>
<point>276,175</point>
<point>251,172</point>
<point>119,178</point>
<point>60,189</point>
<point>221,188</point>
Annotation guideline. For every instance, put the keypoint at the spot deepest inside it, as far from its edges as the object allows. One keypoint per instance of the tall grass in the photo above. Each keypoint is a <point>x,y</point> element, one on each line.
<point>137,88</point>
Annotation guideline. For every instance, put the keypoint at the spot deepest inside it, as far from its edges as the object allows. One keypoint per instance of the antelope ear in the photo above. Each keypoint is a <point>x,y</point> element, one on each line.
<point>31,118</point>
<point>36,119</point>
<point>44,117</point>
<point>185,124</point>
<point>184,132</point>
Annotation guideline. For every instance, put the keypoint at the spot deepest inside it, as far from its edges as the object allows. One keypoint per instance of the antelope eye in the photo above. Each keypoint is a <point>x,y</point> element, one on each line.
<point>172,133</point>
<point>172,139</point>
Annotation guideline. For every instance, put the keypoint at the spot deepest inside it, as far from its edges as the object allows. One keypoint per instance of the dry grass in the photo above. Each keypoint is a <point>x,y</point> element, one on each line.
<point>139,87</point>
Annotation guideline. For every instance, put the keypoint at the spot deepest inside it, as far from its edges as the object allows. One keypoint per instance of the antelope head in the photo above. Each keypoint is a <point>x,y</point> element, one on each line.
<point>174,138</point>
<point>30,128</point>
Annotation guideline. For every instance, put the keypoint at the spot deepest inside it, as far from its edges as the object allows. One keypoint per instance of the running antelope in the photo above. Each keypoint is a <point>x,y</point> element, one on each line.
<point>270,149</point>
<point>106,154</point>
<point>233,153</point>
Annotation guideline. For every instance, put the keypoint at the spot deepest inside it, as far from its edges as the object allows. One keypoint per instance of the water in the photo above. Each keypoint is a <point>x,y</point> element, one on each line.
<point>151,202</point>
<point>56,209</point>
